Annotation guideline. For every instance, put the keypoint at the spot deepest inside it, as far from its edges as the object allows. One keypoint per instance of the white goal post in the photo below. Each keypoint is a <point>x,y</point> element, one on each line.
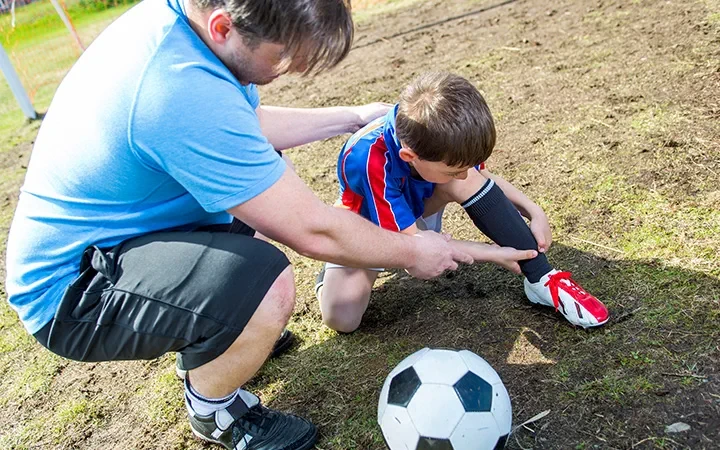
<point>16,86</point>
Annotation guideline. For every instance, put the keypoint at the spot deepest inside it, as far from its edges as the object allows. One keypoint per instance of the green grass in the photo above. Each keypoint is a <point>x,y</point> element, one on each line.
<point>42,51</point>
<point>163,398</point>
<point>38,22</point>
<point>604,162</point>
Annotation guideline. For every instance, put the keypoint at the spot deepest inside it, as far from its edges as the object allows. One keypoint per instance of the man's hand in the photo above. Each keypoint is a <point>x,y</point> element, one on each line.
<point>436,255</point>
<point>540,228</point>
<point>368,113</point>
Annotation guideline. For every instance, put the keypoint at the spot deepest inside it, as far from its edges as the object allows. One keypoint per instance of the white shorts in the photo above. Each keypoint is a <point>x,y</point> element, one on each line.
<point>431,223</point>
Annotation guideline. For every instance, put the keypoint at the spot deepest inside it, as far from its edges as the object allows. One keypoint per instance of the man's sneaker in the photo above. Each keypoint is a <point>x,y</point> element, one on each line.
<point>559,290</point>
<point>248,425</point>
<point>284,342</point>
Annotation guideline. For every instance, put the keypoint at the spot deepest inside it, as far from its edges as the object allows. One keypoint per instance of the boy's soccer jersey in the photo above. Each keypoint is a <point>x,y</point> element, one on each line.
<point>375,182</point>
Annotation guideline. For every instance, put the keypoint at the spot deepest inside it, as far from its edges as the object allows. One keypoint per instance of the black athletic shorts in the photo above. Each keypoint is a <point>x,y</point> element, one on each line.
<point>187,292</point>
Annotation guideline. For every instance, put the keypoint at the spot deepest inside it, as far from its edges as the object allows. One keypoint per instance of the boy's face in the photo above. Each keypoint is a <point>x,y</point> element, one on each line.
<point>433,171</point>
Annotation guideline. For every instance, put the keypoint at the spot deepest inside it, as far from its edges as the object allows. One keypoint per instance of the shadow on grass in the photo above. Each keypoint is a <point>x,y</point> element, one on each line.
<point>655,363</point>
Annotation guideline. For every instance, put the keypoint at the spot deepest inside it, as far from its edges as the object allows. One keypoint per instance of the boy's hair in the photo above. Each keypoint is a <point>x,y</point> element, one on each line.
<point>443,117</point>
<point>321,31</point>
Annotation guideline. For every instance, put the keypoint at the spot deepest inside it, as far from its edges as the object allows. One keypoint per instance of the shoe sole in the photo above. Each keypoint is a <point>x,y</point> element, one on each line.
<point>534,299</point>
<point>310,444</point>
<point>283,344</point>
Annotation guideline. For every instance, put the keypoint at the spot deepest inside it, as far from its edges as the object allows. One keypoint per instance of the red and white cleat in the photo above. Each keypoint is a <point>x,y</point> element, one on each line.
<point>559,290</point>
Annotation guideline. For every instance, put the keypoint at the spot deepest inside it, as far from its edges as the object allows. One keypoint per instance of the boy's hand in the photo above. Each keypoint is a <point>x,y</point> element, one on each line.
<point>540,228</point>
<point>506,257</point>
<point>368,113</point>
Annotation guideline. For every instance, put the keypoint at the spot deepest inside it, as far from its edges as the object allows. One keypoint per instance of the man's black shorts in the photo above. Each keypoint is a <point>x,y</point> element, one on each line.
<point>188,292</point>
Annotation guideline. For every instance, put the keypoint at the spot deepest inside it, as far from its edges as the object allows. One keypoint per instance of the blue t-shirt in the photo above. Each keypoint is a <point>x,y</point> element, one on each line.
<point>148,131</point>
<point>376,183</point>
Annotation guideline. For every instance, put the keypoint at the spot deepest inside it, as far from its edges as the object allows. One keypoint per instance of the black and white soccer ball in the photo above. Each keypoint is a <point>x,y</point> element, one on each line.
<point>444,400</point>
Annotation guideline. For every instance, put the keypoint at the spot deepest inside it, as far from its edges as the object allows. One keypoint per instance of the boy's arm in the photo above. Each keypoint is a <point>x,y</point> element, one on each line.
<point>539,224</point>
<point>290,127</point>
<point>506,257</point>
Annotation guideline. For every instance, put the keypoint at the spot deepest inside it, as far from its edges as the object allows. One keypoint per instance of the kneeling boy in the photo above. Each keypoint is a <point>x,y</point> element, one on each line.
<point>402,169</point>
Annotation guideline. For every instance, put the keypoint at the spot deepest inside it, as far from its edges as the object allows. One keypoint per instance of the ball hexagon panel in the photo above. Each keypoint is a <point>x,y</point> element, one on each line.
<point>407,362</point>
<point>382,402</point>
<point>398,429</point>
<point>440,366</point>
<point>434,444</point>
<point>435,410</point>
<point>475,394</point>
<point>476,430</point>
<point>481,367</point>
<point>502,408</point>
<point>402,365</point>
<point>403,386</point>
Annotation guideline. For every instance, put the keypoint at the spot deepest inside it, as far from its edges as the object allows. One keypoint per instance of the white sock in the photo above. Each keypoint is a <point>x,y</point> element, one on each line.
<point>204,406</point>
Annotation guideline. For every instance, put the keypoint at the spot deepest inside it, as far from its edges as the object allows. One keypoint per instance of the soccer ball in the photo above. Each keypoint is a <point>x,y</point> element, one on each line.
<point>444,400</point>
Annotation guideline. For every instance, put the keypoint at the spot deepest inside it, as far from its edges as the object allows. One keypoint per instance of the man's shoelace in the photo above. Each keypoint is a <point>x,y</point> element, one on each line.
<point>256,421</point>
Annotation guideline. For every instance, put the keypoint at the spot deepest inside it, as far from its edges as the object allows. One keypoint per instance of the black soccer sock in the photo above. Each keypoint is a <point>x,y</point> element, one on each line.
<point>493,213</point>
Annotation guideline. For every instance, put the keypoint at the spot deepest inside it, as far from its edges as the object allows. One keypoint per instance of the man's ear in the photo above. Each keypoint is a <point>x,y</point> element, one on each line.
<point>407,155</point>
<point>219,26</point>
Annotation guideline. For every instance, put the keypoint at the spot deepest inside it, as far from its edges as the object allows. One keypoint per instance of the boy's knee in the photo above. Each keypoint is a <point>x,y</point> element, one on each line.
<point>342,323</point>
<point>343,313</point>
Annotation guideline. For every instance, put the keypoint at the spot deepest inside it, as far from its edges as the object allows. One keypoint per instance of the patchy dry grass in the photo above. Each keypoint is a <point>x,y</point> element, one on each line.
<point>608,117</point>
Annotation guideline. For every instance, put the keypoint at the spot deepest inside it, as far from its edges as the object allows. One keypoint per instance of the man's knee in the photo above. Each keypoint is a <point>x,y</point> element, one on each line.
<point>280,298</point>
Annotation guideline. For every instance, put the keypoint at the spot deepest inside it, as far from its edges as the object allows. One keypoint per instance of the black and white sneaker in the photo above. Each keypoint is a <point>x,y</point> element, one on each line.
<point>247,425</point>
<point>283,344</point>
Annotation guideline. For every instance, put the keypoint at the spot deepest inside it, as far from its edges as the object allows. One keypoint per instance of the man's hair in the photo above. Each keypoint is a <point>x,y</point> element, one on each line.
<point>443,117</point>
<point>321,31</point>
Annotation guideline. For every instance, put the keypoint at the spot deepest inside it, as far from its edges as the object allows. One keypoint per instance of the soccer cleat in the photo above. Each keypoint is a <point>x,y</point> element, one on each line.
<point>283,344</point>
<point>559,290</point>
<point>248,425</point>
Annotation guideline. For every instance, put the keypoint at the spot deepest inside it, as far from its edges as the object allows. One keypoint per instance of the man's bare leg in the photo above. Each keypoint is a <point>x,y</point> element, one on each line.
<point>229,371</point>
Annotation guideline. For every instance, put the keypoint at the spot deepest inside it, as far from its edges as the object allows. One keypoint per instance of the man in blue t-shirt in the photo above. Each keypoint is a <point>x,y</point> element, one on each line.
<point>154,165</point>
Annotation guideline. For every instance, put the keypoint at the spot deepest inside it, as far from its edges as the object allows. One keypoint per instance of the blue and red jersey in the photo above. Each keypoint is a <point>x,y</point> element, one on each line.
<point>375,182</point>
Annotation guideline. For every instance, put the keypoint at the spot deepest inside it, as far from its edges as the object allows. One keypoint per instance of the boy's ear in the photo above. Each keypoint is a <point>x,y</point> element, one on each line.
<point>407,155</point>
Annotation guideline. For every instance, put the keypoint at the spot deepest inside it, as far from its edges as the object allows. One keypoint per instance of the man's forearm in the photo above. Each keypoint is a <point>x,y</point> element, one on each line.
<point>290,127</point>
<point>348,239</point>
<point>323,232</point>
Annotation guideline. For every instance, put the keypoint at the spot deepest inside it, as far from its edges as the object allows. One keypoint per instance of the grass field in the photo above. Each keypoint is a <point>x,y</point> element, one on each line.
<point>42,51</point>
<point>608,116</point>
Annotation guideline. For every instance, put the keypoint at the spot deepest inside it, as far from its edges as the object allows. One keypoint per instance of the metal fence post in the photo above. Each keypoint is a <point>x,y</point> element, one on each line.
<point>16,86</point>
